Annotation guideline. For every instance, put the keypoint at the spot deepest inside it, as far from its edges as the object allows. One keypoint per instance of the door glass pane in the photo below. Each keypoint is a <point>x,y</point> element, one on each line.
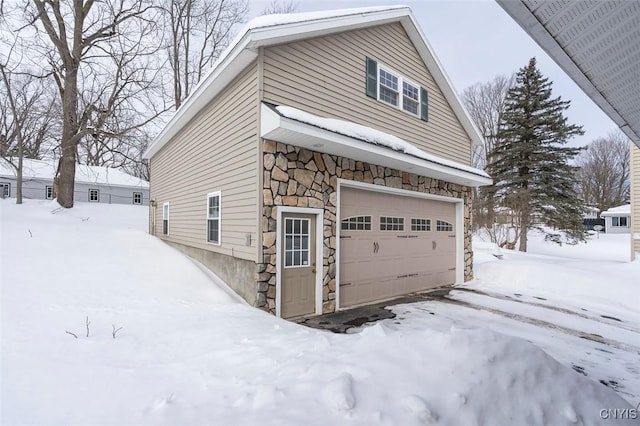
<point>296,242</point>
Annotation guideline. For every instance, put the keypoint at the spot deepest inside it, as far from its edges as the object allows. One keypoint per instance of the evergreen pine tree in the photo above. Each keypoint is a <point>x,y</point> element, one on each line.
<point>530,162</point>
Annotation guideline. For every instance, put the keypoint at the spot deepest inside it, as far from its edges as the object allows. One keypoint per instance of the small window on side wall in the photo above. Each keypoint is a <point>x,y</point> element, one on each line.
<point>213,218</point>
<point>165,219</point>
<point>137,198</point>
<point>5,187</point>
<point>48,192</point>
<point>94,195</point>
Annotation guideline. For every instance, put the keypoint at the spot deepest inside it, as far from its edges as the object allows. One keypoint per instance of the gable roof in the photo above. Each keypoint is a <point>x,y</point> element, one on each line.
<point>285,28</point>
<point>99,175</point>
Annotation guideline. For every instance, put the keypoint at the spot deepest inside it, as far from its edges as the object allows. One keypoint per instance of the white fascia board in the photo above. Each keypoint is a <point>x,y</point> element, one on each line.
<point>282,129</point>
<point>521,14</point>
<point>428,56</point>
<point>213,83</point>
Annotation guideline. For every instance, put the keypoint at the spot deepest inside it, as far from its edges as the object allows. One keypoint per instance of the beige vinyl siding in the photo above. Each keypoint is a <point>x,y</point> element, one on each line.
<point>635,199</point>
<point>216,151</point>
<point>326,76</point>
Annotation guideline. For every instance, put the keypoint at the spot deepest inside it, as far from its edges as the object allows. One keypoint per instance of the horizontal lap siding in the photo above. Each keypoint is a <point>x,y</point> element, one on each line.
<point>216,151</point>
<point>326,76</point>
<point>635,197</point>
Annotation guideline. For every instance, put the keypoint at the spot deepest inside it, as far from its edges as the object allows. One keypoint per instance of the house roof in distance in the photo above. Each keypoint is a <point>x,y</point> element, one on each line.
<point>285,28</point>
<point>46,169</point>
<point>624,210</point>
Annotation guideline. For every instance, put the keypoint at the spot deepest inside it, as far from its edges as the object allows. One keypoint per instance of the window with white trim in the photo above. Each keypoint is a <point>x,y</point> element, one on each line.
<point>6,189</point>
<point>443,226</point>
<point>94,195</point>
<point>296,242</point>
<point>165,219</point>
<point>137,198</point>
<point>388,223</point>
<point>392,88</point>
<point>356,223</point>
<point>213,218</point>
<point>48,192</point>
<point>619,221</point>
<point>420,224</point>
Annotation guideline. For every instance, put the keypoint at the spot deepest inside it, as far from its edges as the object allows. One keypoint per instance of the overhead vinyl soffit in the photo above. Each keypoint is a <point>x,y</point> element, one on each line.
<point>597,43</point>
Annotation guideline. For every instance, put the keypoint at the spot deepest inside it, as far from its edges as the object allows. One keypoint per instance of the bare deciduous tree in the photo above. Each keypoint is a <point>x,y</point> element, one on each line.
<point>199,30</point>
<point>485,103</point>
<point>278,6</point>
<point>82,35</point>
<point>603,177</point>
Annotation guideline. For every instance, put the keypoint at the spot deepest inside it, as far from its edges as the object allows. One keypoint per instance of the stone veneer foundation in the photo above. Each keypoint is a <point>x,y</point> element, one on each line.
<point>295,176</point>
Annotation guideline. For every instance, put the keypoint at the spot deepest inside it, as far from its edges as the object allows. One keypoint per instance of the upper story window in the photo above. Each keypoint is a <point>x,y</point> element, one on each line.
<point>137,198</point>
<point>48,192</point>
<point>392,88</point>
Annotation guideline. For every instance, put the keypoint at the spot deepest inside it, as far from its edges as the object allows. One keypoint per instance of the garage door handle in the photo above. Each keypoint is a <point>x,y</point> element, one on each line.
<point>434,245</point>
<point>376,247</point>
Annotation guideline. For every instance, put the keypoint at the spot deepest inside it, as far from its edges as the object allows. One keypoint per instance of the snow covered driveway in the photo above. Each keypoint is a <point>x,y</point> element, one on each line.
<point>189,353</point>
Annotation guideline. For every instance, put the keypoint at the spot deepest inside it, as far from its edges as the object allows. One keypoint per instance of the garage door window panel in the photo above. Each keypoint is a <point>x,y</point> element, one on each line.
<point>443,226</point>
<point>296,245</point>
<point>356,223</point>
<point>389,223</point>
<point>420,224</point>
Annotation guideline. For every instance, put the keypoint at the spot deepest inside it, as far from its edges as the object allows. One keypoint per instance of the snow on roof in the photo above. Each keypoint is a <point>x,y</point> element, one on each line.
<point>615,211</point>
<point>291,18</point>
<point>372,136</point>
<point>46,169</point>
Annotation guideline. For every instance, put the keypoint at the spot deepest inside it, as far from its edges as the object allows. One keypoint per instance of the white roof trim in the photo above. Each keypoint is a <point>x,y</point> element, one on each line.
<point>244,50</point>
<point>276,127</point>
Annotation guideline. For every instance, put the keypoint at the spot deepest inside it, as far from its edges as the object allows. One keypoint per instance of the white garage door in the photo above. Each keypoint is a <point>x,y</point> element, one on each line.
<point>392,245</point>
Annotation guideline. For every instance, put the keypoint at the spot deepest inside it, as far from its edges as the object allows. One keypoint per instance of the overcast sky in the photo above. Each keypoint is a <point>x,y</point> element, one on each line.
<point>476,40</point>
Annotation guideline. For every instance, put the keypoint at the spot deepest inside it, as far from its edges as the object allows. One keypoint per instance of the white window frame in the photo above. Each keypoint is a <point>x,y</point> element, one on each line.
<point>141,198</point>
<point>48,192</point>
<point>219,218</point>
<point>6,189</point>
<point>617,221</point>
<point>165,217</point>
<point>400,90</point>
<point>97,191</point>
<point>293,250</point>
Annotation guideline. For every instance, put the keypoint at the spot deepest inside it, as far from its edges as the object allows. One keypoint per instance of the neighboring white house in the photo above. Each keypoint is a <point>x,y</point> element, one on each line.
<point>591,212</point>
<point>92,184</point>
<point>618,219</point>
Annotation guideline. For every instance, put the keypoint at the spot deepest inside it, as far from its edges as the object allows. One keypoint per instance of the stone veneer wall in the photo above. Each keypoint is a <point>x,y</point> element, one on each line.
<point>295,176</point>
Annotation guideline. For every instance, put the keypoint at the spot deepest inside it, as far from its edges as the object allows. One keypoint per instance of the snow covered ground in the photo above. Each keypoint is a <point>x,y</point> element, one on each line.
<point>191,353</point>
